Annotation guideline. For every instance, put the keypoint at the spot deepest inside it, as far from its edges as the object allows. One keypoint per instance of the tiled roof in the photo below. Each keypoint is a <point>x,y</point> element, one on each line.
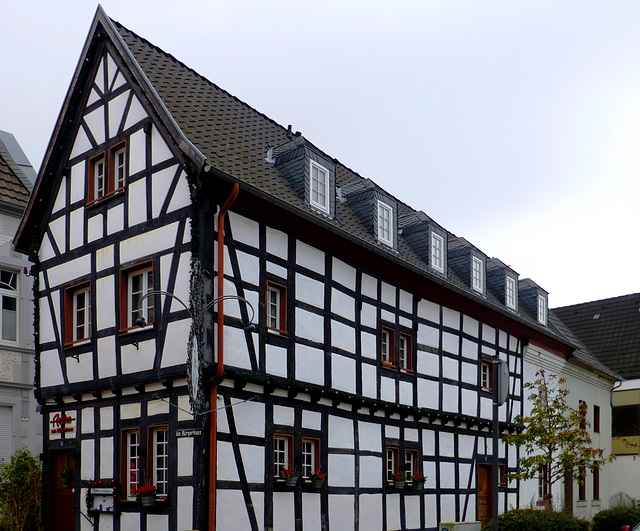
<point>610,329</point>
<point>11,188</point>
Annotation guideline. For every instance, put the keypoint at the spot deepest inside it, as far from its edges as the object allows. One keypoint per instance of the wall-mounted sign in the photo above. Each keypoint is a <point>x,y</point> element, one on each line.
<point>62,423</point>
<point>189,432</point>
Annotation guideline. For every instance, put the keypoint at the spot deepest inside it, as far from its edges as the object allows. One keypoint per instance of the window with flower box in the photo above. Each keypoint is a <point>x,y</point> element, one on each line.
<point>131,471</point>
<point>310,457</point>
<point>282,454</point>
<point>160,459</point>
<point>144,460</point>
<point>411,464</point>
<point>392,461</point>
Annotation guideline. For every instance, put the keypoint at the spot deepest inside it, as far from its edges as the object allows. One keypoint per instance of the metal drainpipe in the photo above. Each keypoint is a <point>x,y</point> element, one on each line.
<point>213,431</point>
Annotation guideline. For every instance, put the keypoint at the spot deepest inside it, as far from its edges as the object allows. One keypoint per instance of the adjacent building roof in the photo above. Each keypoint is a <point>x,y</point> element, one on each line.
<point>610,329</point>
<point>11,151</point>
<point>13,189</point>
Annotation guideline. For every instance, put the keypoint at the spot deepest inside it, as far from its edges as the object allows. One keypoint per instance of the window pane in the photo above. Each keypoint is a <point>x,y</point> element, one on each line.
<point>9,318</point>
<point>161,460</point>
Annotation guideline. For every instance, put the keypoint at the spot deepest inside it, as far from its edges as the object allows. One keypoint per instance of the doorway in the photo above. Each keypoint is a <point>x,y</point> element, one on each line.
<point>485,494</point>
<point>61,482</point>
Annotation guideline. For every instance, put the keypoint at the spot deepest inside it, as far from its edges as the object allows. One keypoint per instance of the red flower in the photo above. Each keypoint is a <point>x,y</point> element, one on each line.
<point>146,490</point>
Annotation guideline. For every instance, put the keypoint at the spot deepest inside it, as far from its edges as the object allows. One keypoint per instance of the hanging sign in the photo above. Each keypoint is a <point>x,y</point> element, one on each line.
<point>62,423</point>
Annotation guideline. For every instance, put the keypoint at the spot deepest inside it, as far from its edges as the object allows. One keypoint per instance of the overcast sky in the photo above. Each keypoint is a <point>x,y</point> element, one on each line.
<point>515,124</point>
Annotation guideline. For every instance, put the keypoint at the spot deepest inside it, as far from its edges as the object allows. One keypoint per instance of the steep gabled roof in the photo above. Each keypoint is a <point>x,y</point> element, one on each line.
<point>610,328</point>
<point>13,190</point>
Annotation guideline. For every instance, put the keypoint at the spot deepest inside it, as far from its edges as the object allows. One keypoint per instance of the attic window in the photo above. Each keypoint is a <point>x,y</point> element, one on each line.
<point>542,310</point>
<point>477,275</point>
<point>510,298</point>
<point>319,187</point>
<point>385,224</point>
<point>437,252</point>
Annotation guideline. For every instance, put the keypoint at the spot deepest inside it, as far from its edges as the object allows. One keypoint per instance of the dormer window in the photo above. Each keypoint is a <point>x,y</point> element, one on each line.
<point>319,187</point>
<point>511,291</point>
<point>385,224</point>
<point>542,310</point>
<point>437,252</point>
<point>477,275</point>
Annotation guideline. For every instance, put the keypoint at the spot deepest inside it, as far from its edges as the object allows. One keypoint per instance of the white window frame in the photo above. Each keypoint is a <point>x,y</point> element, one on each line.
<point>99,169</point>
<point>404,352</point>
<point>160,457</point>
<point>120,167</point>
<point>387,346</point>
<point>9,292</point>
<point>309,457</point>
<point>385,223</point>
<point>132,479</point>
<point>319,188</point>
<point>133,298</point>
<point>274,301</point>
<point>391,462</point>
<point>281,453</point>
<point>542,310</point>
<point>410,464</point>
<point>485,375</point>
<point>477,274</point>
<point>82,314</point>
<point>511,293</point>
<point>437,252</point>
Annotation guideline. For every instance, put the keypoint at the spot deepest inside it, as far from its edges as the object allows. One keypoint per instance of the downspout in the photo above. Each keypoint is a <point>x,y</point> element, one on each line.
<point>213,430</point>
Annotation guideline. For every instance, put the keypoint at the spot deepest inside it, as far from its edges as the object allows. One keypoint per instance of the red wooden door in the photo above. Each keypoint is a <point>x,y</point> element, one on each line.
<point>485,492</point>
<point>61,513</point>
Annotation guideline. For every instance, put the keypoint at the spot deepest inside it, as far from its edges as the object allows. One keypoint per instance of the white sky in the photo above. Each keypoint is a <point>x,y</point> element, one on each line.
<point>513,124</point>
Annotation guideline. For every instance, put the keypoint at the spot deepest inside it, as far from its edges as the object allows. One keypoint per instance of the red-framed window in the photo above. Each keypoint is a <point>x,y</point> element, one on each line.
<point>392,462</point>
<point>486,375</point>
<point>158,458</point>
<point>405,352</point>
<point>276,304</point>
<point>107,172</point>
<point>77,313</point>
<point>411,464</point>
<point>387,347</point>
<point>135,283</point>
<point>310,457</point>
<point>130,463</point>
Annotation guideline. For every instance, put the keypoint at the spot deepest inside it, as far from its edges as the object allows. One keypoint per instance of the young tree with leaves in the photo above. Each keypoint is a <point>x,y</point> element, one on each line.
<point>555,438</point>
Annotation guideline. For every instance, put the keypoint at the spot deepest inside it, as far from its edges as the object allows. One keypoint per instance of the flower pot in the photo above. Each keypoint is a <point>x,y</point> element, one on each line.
<point>317,483</point>
<point>418,485</point>
<point>291,481</point>
<point>398,483</point>
<point>148,501</point>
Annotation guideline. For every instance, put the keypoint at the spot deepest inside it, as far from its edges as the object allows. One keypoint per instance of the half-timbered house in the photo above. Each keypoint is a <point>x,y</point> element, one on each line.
<point>222,304</point>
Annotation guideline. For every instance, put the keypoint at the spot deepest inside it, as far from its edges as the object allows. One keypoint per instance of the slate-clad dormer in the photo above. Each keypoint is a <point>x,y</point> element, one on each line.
<point>427,239</point>
<point>534,300</point>
<point>312,175</point>
<point>469,263</point>
<point>502,281</point>
<point>377,210</point>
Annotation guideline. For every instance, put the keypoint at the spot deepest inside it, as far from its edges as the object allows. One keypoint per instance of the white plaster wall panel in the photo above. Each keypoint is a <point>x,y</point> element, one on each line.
<point>161,183</point>
<point>369,286</point>
<point>486,408</point>
<point>51,371</point>
<point>230,520</point>
<point>309,325</point>
<point>514,344</point>
<point>138,359</point>
<point>430,510</point>
<point>160,149</point>
<point>368,315</point>
<point>130,411</point>
<point>450,368</point>
<point>95,228</point>
<point>343,373</point>
<point>388,294</point>
<point>309,291</point>
<point>157,521</point>
<point>58,230</point>
<point>257,498</point>
<point>175,346</point>
<point>185,451</point>
<point>249,417</point>
<point>311,420</point>
<point>253,461</point>
<point>412,506</point>
<point>236,353</point>
<point>406,301</point>
<point>309,257</point>
<point>112,69</point>
<point>105,309</point>
<point>391,432</point>
<point>137,150</point>
<point>61,195</point>
<point>503,340</point>
<point>369,377</point>
<point>309,364</point>
<point>93,97</point>
<point>150,243</point>
<point>244,229</point>
<point>157,407</point>
<point>469,402</point>
<point>403,321</point>
<point>249,267</point>
<point>227,469</point>
<point>106,457</point>
<point>387,389</point>
<point>393,511</point>
<point>87,417</point>
<point>340,433</point>
<point>429,310</point>
<point>69,270</point>
<point>428,394</point>
<point>104,258</point>
<point>311,513</point>
<point>95,121</point>
<point>46,249</point>
<point>277,270</point>
<point>106,357</point>
<point>388,316</point>
<point>185,508</point>
<point>406,393</point>
<point>411,434</point>
<point>277,243</point>
<point>368,345</point>
<point>466,445</point>
<point>369,437</point>
<point>231,307</point>
<point>106,418</point>
<point>136,114</point>
<point>223,422</point>
<point>341,468</point>
<point>137,192</point>
<point>450,398</point>
<point>450,343</point>
<point>283,415</point>
<point>181,196</point>
<point>184,408</point>
<point>283,511</point>
<point>87,459</point>
<point>451,318</point>
<point>447,446</point>
<point>343,336</point>
<point>370,512</point>
<point>370,471</point>
<point>447,477</point>
<point>470,326</point>
<point>46,321</point>
<point>470,373</point>
<point>469,349</point>
<point>344,274</point>
<point>115,219</point>
<point>119,81</point>
<point>116,112</point>
<point>343,304</point>
<point>488,333</point>
<point>128,522</point>
<point>485,349</point>
<point>276,360</point>
<point>81,144</point>
<point>429,336</point>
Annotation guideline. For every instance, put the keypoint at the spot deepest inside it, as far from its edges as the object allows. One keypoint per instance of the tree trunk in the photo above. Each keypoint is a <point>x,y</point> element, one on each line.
<point>567,506</point>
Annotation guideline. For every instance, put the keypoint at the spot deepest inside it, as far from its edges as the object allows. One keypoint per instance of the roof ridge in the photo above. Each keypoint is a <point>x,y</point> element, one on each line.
<point>597,301</point>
